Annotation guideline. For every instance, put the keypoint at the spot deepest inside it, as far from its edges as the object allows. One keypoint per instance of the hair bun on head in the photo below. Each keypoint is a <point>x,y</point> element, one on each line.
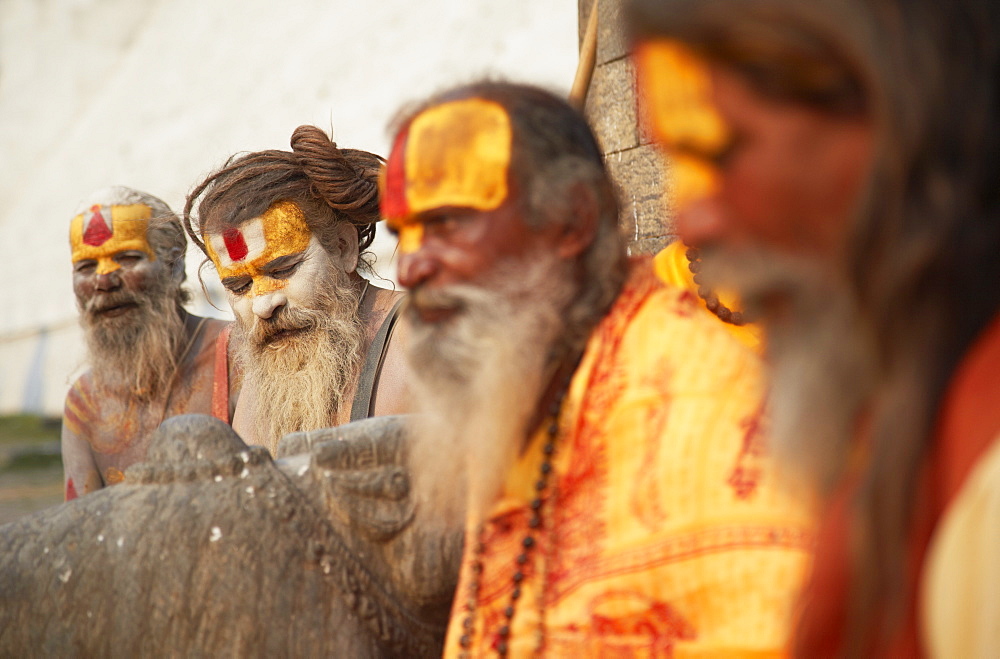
<point>346,179</point>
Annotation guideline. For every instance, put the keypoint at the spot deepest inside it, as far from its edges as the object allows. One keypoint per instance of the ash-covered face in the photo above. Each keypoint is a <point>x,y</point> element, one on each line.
<point>129,300</point>
<point>270,263</point>
<point>114,265</point>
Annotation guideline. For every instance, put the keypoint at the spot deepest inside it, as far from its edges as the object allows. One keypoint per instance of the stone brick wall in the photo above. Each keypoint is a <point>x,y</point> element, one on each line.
<point>634,163</point>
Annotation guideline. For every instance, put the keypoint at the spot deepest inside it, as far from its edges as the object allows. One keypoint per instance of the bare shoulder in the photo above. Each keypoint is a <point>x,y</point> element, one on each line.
<point>210,328</point>
<point>383,302</point>
<point>393,392</point>
<point>80,407</point>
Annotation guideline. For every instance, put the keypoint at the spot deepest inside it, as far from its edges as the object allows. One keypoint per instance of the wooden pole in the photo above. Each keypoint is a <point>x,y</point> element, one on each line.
<point>585,67</point>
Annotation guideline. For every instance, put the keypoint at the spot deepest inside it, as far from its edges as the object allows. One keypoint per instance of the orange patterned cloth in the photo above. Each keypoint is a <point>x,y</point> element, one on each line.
<point>664,532</point>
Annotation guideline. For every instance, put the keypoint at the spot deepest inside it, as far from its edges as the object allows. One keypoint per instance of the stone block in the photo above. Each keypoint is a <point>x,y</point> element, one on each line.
<point>649,246</point>
<point>638,175</point>
<point>610,107</point>
<point>612,42</point>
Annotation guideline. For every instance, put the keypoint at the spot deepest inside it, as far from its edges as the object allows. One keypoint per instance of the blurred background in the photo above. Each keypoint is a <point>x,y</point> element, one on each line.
<point>155,94</point>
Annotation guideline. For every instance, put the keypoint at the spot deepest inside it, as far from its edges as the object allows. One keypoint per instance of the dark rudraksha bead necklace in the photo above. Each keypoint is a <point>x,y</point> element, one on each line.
<point>724,313</point>
<point>528,543</point>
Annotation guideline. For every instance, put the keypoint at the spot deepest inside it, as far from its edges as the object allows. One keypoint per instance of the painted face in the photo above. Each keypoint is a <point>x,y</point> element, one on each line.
<point>747,169</point>
<point>113,262</point>
<point>453,155</point>
<point>269,261</point>
<point>445,191</point>
<point>102,233</point>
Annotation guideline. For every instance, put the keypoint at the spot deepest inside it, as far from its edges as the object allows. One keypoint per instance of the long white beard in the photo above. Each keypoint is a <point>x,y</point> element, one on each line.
<point>300,381</point>
<point>477,378</point>
<point>135,355</point>
<point>819,350</point>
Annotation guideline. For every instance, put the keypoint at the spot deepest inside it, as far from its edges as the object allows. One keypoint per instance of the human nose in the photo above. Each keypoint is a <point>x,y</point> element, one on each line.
<point>108,281</point>
<point>700,222</point>
<point>264,306</point>
<point>415,268</point>
<point>694,192</point>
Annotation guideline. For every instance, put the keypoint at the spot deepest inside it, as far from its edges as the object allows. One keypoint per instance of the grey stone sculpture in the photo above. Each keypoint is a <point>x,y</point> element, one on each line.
<point>212,548</point>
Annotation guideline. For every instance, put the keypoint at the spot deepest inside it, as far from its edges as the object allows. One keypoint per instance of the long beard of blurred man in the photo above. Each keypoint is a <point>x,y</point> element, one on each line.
<point>820,353</point>
<point>300,361</point>
<point>135,352</point>
<point>477,378</point>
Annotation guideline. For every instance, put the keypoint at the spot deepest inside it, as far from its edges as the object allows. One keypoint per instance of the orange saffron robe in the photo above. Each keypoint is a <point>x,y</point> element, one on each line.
<point>664,531</point>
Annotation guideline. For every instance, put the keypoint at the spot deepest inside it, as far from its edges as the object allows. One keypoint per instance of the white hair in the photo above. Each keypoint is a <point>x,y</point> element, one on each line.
<point>119,195</point>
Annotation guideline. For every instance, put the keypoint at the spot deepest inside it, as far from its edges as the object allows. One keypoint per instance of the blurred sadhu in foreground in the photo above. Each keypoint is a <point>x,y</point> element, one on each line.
<point>610,429</point>
<point>838,165</point>
<point>287,232</point>
<point>149,358</point>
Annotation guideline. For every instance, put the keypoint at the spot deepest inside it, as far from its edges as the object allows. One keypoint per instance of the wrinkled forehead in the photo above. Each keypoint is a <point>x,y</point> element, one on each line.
<point>280,230</point>
<point>675,91</point>
<point>456,154</point>
<point>105,230</point>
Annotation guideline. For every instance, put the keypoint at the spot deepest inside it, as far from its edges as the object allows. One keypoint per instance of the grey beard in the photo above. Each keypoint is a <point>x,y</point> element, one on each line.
<point>135,355</point>
<point>820,353</point>
<point>477,378</point>
<point>301,380</point>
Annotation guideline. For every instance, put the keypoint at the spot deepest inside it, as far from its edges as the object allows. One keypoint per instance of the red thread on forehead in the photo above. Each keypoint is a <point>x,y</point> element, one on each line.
<point>97,232</point>
<point>394,197</point>
<point>235,245</point>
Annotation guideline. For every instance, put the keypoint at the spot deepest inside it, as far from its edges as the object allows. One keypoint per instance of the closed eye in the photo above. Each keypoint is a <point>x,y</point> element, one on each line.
<point>129,258</point>
<point>285,266</point>
<point>284,273</point>
<point>237,285</point>
<point>444,223</point>
<point>85,267</point>
<point>718,156</point>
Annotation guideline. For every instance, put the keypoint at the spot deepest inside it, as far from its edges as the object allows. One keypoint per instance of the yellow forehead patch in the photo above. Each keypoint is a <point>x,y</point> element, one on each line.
<point>676,94</point>
<point>244,251</point>
<point>453,154</point>
<point>104,231</point>
<point>676,98</point>
<point>458,154</point>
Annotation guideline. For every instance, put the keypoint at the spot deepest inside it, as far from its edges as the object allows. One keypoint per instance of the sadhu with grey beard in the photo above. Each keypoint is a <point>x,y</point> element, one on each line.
<point>841,159</point>
<point>621,497</point>
<point>149,358</point>
<point>287,232</point>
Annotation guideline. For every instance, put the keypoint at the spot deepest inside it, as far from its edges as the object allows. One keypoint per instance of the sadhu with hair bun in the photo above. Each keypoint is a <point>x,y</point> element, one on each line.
<point>287,232</point>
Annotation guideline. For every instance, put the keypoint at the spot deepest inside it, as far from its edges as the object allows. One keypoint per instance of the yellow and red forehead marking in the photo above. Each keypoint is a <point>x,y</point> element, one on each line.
<point>451,155</point>
<point>675,91</point>
<point>103,231</point>
<point>243,251</point>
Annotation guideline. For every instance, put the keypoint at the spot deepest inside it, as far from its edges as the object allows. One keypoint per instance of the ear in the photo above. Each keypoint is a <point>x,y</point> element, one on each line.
<point>575,236</point>
<point>175,260</point>
<point>344,251</point>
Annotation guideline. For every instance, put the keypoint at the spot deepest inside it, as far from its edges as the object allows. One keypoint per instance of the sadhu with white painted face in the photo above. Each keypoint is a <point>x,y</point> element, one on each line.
<point>287,232</point>
<point>149,358</point>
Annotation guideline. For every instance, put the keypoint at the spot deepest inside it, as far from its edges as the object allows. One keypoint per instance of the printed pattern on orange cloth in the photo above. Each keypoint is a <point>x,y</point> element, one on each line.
<point>699,570</point>
<point>750,463</point>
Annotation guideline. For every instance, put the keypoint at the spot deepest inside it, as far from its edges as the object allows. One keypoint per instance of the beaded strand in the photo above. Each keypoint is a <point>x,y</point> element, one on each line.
<point>528,543</point>
<point>724,313</point>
